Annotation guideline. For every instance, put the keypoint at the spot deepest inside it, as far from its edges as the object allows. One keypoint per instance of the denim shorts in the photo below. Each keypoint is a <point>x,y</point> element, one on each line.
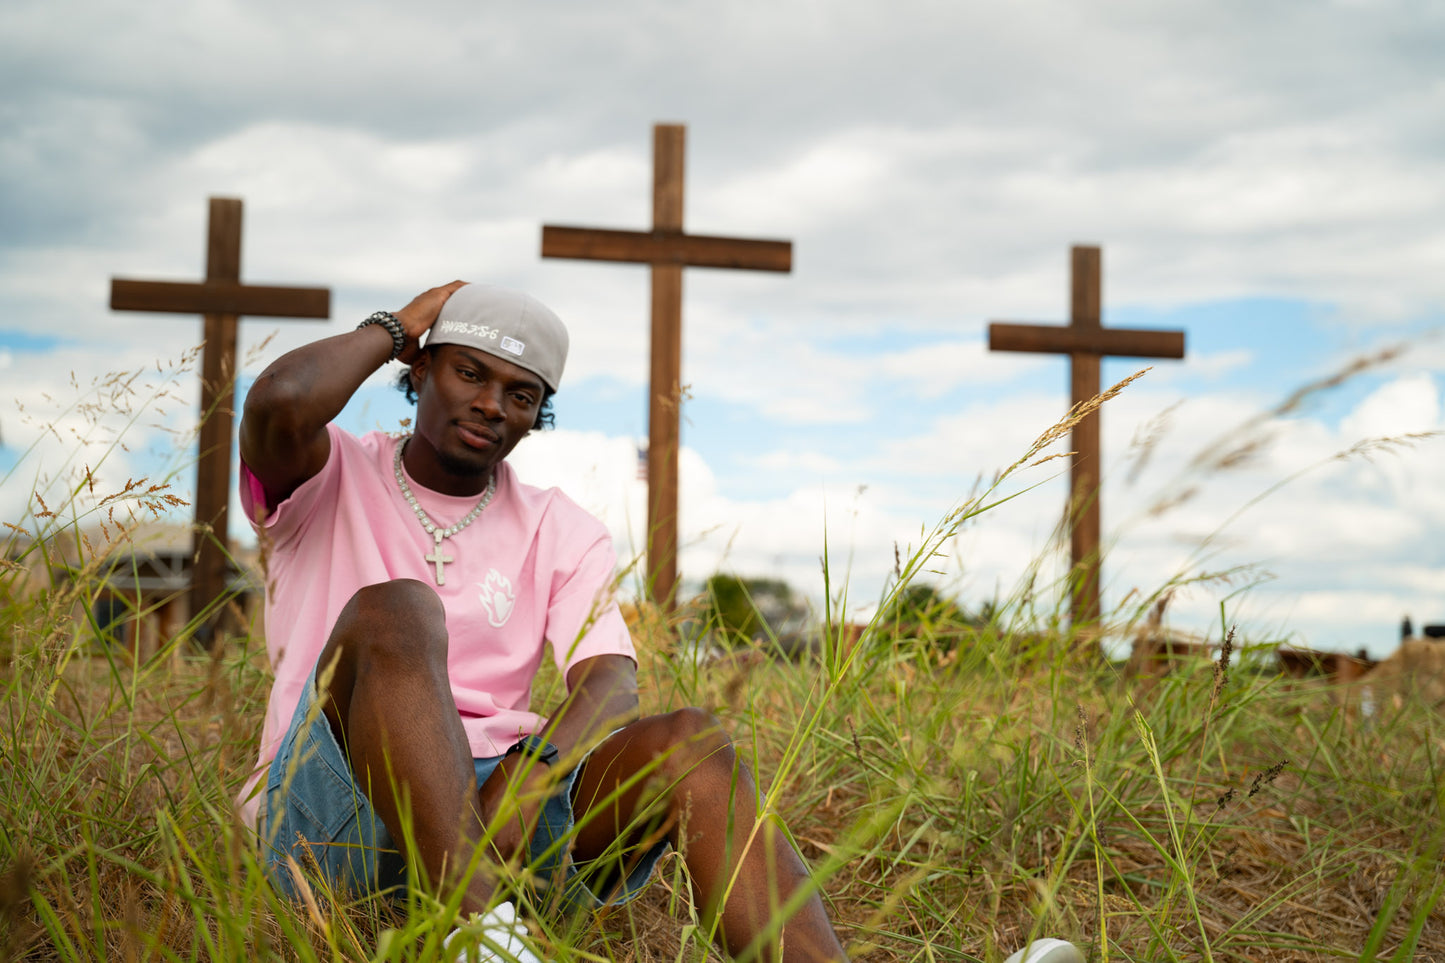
<point>315,812</point>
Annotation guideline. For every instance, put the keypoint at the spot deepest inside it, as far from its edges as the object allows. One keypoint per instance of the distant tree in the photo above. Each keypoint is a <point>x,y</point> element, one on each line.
<point>921,603</point>
<point>742,610</point>
<point>923,612</point>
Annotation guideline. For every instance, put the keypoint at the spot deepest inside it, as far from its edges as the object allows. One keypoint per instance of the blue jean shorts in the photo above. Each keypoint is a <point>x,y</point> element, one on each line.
<point>315,812</point>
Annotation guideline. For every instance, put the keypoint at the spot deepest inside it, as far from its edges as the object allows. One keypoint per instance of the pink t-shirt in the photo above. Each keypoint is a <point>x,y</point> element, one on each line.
<point>533,567</point>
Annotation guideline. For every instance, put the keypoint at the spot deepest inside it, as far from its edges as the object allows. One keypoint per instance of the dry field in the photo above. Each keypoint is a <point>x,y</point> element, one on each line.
<point>954,788</point>
<point>948,803</point>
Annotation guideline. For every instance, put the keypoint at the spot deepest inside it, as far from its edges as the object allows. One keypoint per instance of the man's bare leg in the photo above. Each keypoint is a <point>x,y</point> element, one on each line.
<point>705,788</point>
<point>390,705</point>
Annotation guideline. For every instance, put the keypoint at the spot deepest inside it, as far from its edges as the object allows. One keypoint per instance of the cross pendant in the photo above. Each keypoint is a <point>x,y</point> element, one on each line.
<point>437,557</point>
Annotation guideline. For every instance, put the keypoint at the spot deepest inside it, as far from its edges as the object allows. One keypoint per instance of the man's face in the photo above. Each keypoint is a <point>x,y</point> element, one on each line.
<point>472,408</point>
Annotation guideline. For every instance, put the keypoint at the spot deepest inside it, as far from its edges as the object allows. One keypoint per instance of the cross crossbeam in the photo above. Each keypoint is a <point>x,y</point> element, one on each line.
<point>1086,341</point>
<point>221,298</point>
<point>667,249</point>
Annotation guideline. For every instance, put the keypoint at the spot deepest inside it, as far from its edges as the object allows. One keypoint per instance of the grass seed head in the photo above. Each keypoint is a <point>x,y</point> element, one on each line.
<point>1263,779</point>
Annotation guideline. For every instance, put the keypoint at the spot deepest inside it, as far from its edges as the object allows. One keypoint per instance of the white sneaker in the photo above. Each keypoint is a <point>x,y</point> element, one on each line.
<point>1048,950</point>
<point>496,936</point>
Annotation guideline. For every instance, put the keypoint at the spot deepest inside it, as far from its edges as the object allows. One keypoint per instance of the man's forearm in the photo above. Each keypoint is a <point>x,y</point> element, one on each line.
<point>309,386</point>
<point>283,430</point>
<point>602,696</point>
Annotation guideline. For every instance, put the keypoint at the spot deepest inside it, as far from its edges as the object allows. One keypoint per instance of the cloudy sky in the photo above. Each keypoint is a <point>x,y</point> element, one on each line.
<point>1267,177</point>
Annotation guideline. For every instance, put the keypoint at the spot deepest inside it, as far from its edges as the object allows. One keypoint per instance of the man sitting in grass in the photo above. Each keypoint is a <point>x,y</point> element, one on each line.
<point>413,585</point>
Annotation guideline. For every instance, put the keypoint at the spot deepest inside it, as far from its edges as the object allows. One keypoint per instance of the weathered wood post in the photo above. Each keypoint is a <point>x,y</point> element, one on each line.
<point>667,249</point>
<point>222,299</point>
<point>1086,341</point>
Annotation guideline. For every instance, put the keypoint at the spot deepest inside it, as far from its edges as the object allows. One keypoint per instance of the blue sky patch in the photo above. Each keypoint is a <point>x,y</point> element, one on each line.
<point>28,342</point>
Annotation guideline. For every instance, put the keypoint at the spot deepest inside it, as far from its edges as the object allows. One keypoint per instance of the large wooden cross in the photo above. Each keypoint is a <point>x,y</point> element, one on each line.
<point>1086,341</point>
<point>668,250</point>
<point>222,298</point>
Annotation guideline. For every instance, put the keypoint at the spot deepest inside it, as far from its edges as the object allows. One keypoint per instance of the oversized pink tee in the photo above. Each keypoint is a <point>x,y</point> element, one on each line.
<point>533,566</point>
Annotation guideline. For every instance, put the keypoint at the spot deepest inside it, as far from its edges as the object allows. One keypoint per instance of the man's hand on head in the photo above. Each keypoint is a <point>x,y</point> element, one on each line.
<point>418,317</point>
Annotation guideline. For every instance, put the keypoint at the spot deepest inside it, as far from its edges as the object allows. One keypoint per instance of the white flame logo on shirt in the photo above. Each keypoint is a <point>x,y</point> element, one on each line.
<point>497,598</point>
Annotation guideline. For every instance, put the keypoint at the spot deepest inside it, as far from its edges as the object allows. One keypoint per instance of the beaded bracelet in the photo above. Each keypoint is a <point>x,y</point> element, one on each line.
<point>393,327</point>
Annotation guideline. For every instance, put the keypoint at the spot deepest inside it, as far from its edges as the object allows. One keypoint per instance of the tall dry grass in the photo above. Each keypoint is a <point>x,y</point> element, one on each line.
<point>950,804</point>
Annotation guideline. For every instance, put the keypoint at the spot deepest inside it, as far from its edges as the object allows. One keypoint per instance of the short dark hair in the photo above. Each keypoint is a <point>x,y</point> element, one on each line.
<point>546,417</point>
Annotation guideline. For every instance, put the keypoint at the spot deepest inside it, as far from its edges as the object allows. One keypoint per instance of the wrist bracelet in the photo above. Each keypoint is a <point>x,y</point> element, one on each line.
<point>393,327</point>
<point>534,747</point>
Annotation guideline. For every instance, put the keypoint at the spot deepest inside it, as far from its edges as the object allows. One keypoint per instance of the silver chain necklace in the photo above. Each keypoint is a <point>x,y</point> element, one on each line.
<point>435,531</point>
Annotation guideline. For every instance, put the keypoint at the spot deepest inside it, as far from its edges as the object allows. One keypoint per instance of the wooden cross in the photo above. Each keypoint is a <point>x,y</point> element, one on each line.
<point>668,250</point>
<point>222,298</point>
<point>1085,341</point>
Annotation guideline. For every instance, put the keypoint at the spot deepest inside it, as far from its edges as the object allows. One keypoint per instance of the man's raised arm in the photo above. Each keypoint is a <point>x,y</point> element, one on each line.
<point>283,428</point>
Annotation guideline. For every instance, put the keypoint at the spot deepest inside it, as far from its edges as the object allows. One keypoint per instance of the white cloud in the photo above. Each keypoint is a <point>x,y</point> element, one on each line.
<point>790,461</point>
<point>1297,159</point>
<point>1213,365</point>
<point>1405,405</point>
<point>81,440</point>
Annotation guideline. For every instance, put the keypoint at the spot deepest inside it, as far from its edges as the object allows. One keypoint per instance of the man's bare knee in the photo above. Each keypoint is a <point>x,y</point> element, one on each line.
<point>403,601</point>
<point>389,636</point>
<point>400,622</point>
<point>693,742</point>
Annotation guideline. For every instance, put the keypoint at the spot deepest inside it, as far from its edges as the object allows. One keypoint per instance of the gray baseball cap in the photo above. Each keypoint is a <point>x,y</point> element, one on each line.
<point>510,325</point>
